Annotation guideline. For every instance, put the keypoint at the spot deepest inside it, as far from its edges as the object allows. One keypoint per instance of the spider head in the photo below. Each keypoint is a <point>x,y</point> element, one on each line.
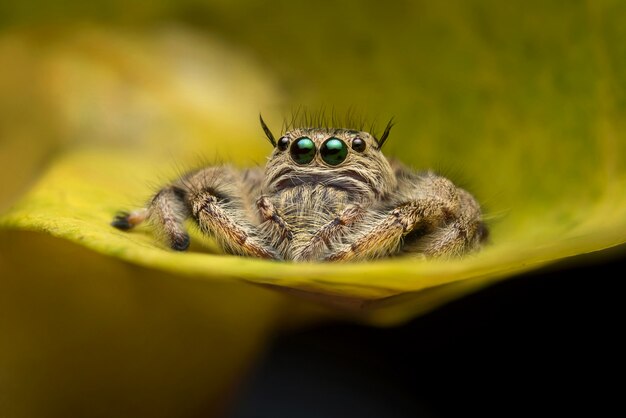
<point>340,158</point>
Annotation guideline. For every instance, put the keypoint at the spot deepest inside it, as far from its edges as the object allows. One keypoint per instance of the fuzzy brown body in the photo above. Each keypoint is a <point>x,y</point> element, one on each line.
<point>308,209</point>
<point>303,222</point>
<point>325,194</point>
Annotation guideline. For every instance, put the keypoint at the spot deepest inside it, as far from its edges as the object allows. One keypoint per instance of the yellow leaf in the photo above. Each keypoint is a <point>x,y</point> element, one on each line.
<point>147,104</point>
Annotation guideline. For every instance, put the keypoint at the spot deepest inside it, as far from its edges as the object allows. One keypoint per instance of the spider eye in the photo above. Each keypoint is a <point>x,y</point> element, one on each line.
<point>283,143</point>
<point>334,151</point>
<point>303,150</point>
<point>358,145</point>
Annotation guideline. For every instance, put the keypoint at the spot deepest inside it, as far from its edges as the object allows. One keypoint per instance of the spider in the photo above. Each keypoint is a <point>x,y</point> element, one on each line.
<point>324,195</point>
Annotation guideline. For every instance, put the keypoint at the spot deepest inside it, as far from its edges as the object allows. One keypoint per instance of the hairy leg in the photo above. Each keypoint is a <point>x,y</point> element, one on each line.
<point>166,211</point>
<point>235,236</point>
<point>464,233</point>
<point>382,238</point>
<point>330,233</point>
<point>277,226</point>
<point>437,220</point>
<point>219,200</point>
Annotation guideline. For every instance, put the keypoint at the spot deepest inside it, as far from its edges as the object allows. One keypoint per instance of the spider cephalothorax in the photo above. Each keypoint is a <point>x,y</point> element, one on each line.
<point>338,158</point>
<point>325,194</point>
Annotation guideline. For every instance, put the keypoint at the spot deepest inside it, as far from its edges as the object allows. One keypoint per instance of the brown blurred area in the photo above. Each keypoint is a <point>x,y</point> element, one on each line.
<point>84,336</point>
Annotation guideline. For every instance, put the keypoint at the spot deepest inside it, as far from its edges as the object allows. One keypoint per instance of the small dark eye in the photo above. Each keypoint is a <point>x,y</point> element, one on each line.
<point>334,151</point>
<point>303,150</point>
<point>283,143</point>
<point>358,145</point>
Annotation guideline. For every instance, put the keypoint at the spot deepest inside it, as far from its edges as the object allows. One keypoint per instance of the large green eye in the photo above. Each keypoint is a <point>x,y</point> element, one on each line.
<point>302,150</point>
<point>334,151</point>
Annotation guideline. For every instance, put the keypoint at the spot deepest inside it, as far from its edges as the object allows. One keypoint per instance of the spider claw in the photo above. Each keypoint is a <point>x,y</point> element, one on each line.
<point>180,243</point>
<point>127,220</point>
<point>121,221</point>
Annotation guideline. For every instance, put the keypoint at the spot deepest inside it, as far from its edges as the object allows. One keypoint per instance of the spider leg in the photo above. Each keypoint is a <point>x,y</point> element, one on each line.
<point>166,211</point>
<point>384,238</point>
<point>330,232</point>
<point>277,225</point>
<point>463,233</point>
<point>218,199</point>
<point>128,220</point>
<point>437,219</point>
<point>236,237</point>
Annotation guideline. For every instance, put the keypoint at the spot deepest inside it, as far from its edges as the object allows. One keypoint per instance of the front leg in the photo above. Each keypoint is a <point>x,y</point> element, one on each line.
<point>383,238</point>
<point>437,220</point>
<point>330,233</point>
<point>219,199</point>
<point>234,234</point>
<point>275,225</point>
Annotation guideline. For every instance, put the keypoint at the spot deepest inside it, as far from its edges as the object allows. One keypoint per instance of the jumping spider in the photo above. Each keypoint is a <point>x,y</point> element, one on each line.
<point>325,194</point>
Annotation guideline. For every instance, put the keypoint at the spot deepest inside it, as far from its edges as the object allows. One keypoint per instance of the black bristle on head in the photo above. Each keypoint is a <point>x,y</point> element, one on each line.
<point>385,134</point>
<point>323,118</point>
<point>267,131</point>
